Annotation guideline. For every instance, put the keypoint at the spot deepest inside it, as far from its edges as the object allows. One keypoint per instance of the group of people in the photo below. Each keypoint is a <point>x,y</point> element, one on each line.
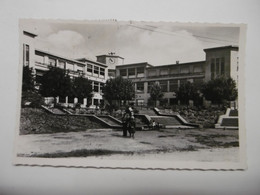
<point>129,122</point>
<point>154,125</point>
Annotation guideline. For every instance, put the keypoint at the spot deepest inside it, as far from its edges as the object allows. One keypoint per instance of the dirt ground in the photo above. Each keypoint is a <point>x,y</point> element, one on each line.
<point>109,143</point>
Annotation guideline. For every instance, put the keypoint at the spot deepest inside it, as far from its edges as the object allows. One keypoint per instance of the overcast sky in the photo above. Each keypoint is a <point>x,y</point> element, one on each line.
<point>152,42</point>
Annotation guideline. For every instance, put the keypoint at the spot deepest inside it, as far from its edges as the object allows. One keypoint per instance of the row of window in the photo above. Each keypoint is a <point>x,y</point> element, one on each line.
<point>96,70</point>
<point>90,69</point>
<point>132,72</point>
<point>26,55</point>
<point>97,87</point>
<point>217,67</point>
<point>166,86</point>
<point>139,72</point>
<point>176,70</point>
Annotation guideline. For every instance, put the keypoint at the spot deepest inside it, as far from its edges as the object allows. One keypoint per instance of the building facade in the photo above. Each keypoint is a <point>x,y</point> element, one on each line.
<point>40,61</point>
<point>219,61</point>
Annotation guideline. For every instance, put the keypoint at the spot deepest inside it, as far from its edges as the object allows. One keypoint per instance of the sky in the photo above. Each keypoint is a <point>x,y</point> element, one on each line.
<point>157,43</point>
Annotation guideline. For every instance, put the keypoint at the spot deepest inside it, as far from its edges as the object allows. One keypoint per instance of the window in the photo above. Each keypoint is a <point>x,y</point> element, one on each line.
<point>39,59</point>
<point>62,99</point>
<point>174,85</point>
<point>52,62</point>
<point>70,66</point>
<point>217,66</point>
<point>164,85</point>
<point>80,69</point>
<point>96,70</point>
<point>123,72</point>
<point>111,73</point>
<point>26,55</point>
<point>96,102</point>
<point>96,86</point>
<point>81,100</point>
<point>212,66</point>
<point>140,72</point>
<point>222,65</point>
<point>151,73</point>
<point>174,70</point>
<point>101,87</point>
<point>140,102</point>
<point>102,72</point>
<point>62,64</point>
<point>164,72</point>
<point>140,87</point>
<point>185,69</point>
<point>197,69</point>
<point>89,69</point>
<point>131,72</point>
<point>70,99</point>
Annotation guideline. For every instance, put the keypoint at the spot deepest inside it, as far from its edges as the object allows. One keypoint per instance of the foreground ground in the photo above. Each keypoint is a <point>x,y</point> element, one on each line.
<point>192,144</point>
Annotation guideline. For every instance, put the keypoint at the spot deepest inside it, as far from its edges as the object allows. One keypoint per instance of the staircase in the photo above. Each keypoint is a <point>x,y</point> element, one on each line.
<point>233,113</point>
<point>166,120</point>
<point>229,120</point>
<point>111,121</point>
<point>148,112</point>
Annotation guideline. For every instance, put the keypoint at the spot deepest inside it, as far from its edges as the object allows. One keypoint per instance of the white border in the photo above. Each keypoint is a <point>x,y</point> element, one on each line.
<point>157,164</point>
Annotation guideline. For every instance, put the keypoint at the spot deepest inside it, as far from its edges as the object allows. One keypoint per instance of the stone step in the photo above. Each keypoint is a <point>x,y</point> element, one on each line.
<point>230,122</point>
<point>166,120</point>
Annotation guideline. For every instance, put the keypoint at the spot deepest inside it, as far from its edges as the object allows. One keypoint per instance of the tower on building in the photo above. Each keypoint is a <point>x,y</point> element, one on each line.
<point>111,60</point>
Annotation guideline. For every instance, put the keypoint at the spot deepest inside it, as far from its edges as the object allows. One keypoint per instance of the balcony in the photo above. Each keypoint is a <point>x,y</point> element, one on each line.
<point>178,75</point>
<point>42,65</point>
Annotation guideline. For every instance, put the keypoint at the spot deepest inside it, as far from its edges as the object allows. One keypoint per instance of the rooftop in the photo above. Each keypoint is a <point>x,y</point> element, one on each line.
<point>29,34</point>
<point>110,55</point>
<point>232,47</point>
<point>71,60</point>
<point>176,64</point>
<point>135,64</point>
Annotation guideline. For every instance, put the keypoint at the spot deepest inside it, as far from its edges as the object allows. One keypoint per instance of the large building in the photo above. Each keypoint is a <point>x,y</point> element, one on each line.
<point>40,61</point>
<point>219,61</point>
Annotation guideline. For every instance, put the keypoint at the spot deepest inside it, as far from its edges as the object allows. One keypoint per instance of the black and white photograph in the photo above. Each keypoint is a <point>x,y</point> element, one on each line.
<point>131,94</point>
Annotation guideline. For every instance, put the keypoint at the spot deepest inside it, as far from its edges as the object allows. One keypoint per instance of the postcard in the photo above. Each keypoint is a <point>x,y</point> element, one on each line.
<point>131,94</point>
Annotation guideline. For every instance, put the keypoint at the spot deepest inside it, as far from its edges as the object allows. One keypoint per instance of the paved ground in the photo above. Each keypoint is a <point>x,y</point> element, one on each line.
<point>192,144</point>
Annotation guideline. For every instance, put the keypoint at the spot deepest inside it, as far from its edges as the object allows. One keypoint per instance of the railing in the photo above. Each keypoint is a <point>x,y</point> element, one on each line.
<point>40,64</point>
<point>178,74</point>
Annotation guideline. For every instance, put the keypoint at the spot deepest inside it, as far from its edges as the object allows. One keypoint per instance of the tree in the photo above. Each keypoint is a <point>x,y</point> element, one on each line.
<point>128,92</point>
<point>220,90</point>
<point>56,82</point>
<point>82,88</point>
<point>188,91</point>
<point>30,96</point>
<point>118,89</point>
<point>156,92</point>
<point>28,79</point>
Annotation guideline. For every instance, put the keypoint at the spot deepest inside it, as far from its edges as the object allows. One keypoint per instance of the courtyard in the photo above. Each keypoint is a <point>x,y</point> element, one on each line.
<point>176,144</point>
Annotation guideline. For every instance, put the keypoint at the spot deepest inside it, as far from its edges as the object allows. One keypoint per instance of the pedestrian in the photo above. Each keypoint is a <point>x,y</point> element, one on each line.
<point>153,124</point>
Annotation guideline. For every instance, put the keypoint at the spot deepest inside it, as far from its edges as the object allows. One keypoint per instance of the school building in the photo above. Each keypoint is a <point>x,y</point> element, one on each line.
<point>219,61</point>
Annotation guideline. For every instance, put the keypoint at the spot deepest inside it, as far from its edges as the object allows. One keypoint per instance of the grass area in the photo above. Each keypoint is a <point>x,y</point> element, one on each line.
<point>108,142</point>
<point>80,153</point>
<point>37,121</point>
